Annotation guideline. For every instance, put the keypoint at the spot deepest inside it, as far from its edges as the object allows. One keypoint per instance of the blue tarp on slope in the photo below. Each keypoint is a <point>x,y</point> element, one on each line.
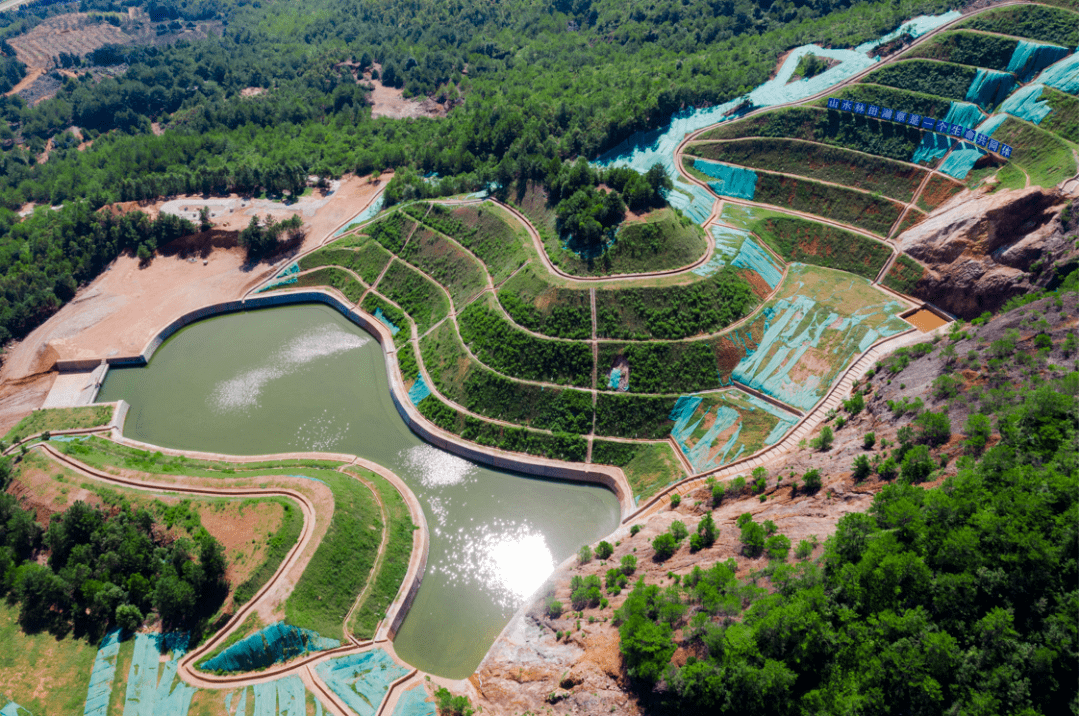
<point>732,181</point>
<point>1031,58</point>
<point>990,88</point>
<point>644,149</point>
<point>394,330</point>
<point>361,680</point>
<point>271,645</point>
<point>934,146</point>
<point>413,703</point>
<point>1063,75</point>
<point>101,678</point>
<point>753,257</point>
<point>1025,103</point>
<point>419,390</point>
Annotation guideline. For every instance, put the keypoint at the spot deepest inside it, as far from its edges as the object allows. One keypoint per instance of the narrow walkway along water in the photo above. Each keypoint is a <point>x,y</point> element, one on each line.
<point>305,378</point>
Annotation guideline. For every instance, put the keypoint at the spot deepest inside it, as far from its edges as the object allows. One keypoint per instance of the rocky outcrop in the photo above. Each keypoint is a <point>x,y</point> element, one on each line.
<point>980,250</point>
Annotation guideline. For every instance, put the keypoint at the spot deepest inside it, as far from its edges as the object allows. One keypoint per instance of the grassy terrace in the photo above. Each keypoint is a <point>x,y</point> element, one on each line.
<point>928,77</point>
<point>334,278</point>
<point>533,302</point>
<point>968,48</point>
<point>483,230</point>
<point>419,296</point>
<point>1056,26</point>
<point>340,567</point>
<point>658,241</point>
<point>839,129</point>
<point>447,263</point>
<point>467,383</point>
<point>367,261</point>
<point>672,312</point>
<point>39,421</point>
<point>649,467</point>
<point>809,242</point>
<point>509,350</point>
<point>1044,157</point>
<point>816,161</point>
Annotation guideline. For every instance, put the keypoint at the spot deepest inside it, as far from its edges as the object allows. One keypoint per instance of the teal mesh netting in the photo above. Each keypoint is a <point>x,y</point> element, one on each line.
<point>413,703</point>
<point>101,677</point>
<point>753,257</point>
<point>1026,103</point>
<point>361,680</point>
<point>1030,58</point>
<point>386,321</point>
<point>990,87</point>
<point>419,390</point>
<point>732,181</point>
<point>1063,75</point>
<point>271,645</point>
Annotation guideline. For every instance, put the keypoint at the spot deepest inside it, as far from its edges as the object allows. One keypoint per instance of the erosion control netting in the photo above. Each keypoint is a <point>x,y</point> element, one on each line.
<point>1063,75</point>
<point>753,257</point>
<point>728,242</point>
<point>719,430</point>
<point>419,390</point>
<point>101,678</point>
<point>361,680</point>
<point>274,644</point>
<point>809,337</point>
<point>989,88</point>
<point>1031,58</point>
<point>394,330</point>
<point>412,703</point>
<point>1025,103</point>
<point>11,708</point>
<point>658,146</point>
<point>962,159</point>
<point>281,697</point>
<point>934,146</point>
<point>286,276</point>
<point>146,695</point>
<point>369,213</point>
<point>731,181</point>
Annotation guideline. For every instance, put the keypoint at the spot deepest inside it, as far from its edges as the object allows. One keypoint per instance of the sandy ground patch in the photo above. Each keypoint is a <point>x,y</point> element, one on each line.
<point>123,308</point>
<point>390,102</point>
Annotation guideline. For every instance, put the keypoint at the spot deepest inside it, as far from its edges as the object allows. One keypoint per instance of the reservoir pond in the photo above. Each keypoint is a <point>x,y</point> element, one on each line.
<point>304,378</point>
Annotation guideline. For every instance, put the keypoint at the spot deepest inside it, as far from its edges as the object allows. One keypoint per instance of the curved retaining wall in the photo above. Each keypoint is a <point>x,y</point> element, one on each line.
<point>607,476</point>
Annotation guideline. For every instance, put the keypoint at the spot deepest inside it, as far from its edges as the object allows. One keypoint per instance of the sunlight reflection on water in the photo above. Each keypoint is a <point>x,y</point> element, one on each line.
<point>242,391</point>
<point>508,560</point>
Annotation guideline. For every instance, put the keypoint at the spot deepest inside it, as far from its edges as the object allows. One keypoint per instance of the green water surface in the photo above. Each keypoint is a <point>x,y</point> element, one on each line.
<point>305,378</point>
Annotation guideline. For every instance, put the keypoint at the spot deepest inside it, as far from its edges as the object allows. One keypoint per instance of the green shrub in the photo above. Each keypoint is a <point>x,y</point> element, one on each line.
<point>977,430</point>
<point>553,608</point>
<point>860,468</point>
<point>706,530</point>
<point>678,530</point>
<point>812,480</point>
<point>604,550</point>
<point>676,500</point>
<point>584,554</point>
<point>752,537</point>
<point>855,404</point>
<point>778,547</point>
<point>917,465</point>
<point>664,545</point>
<point>824,440</point>
<point>450,705</point>
<point>628,564</point>
<point>804,549</point>
<point>934,428</point>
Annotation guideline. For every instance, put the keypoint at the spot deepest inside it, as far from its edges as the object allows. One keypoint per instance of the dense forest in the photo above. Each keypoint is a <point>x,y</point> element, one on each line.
<point>106,567</point>
<point>527,83</point>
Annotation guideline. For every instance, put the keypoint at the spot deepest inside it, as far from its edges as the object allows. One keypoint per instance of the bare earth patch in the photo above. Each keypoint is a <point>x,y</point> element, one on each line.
<point>122,309</point>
